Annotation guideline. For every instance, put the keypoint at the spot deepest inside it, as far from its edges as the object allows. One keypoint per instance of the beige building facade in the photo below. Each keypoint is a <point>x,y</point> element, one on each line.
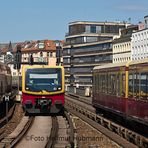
<point>121,51</point>
<point>122,46</point>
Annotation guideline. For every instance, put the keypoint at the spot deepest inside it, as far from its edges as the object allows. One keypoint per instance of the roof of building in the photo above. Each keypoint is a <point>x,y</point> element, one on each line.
<point>111,65</point>
<point>33,46</point>
<point>99,23</point>
<point>145,16</point>
<point>122,39</point>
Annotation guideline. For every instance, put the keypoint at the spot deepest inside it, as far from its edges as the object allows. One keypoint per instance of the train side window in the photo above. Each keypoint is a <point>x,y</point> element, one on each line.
<point>100,83</point>
<point>106,83</point>
<point>97,83</point>
<point>93,82</point>
<point>131,85</point>
<point>118,84</point>
<point>143,92</point>
<point>98,79</point>
<point>123,85</point>
<point>109,84</point>
<point>134,85</point>
<point>103,83</point>
<point>113,84</point>
<point>114,81</point>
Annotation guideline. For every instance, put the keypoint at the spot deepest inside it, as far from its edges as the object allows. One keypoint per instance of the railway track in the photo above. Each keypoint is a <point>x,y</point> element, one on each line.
<point>54,133</point>
<point>41,131</point>
<point>5,119</point>
<point>12,139</point>
<point>118,133</point>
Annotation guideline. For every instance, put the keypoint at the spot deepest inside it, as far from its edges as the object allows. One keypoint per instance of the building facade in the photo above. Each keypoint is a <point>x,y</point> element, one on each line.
<point>87,44</point>
<point>122,45</point>
<point>146,21</point>
<point>139,48</point>
<point>41,50</point>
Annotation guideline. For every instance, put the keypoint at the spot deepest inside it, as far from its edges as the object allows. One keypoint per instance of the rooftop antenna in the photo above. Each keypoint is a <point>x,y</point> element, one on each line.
<point>10,47</point>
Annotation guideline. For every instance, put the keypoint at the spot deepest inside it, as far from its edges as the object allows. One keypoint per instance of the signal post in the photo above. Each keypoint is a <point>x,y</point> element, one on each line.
<point>17,65</point>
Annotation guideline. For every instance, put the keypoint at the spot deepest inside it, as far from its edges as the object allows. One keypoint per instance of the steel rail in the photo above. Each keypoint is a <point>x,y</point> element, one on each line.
<point>22,134</point>
<point>71,128</point>
<point>12,142</point>
<point>54,133</point>
<point>80,98</point>
<point>122,135</point>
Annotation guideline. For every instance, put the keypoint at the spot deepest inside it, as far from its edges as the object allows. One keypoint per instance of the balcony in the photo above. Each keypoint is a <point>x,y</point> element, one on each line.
<point>35,59</point>
<point>92,62</point>
<point>98,51</point>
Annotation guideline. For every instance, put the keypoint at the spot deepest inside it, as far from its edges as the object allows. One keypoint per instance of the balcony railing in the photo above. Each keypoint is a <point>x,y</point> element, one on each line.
<point>101,51</point>
<point>91,62</point>
<point>35,59</point>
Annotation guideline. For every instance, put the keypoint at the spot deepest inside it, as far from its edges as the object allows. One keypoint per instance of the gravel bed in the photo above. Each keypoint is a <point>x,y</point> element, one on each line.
<point>88,137</point>
<point>12,124</point>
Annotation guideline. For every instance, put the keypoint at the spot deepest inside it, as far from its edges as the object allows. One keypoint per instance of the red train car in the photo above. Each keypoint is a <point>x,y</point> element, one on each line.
<point>122,89</point>
<point>43,89</point>
<point>5,81</point>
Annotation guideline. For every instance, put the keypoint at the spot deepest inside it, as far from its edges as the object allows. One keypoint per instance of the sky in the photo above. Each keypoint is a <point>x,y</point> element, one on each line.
<point>22,20</point>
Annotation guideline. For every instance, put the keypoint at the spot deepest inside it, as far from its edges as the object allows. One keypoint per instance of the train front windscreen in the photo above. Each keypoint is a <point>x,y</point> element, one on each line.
<point>43,79</point>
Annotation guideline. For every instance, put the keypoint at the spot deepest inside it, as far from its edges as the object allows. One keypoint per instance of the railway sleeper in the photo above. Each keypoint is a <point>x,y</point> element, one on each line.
<point>63,134</point>
<point>94,117</point>
<point>140,141</point>
<point>99,119</point>
<point>6,142</point>
<point>144,144</point>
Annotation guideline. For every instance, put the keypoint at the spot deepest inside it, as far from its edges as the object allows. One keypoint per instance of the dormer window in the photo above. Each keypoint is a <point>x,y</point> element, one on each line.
<point>48,44</point>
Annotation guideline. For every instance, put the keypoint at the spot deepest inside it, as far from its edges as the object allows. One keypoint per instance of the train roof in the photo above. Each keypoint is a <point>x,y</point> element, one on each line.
<point>110,65</point>
<point>122,64</point>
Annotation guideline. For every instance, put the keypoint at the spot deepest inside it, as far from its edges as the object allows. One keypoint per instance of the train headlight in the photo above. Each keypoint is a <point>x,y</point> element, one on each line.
<point>59,88</point>
<point>27,88</point>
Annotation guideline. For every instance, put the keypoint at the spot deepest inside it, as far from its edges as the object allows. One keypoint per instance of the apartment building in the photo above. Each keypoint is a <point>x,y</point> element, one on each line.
<point>41,50</point>
<point>139,49</point>
<point>87,44</point>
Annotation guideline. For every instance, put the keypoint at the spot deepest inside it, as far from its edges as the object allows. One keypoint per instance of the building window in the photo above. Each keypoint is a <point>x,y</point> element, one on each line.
<point>93,29</point>
<point>68,51</point>
<point>14,73</point>
<point>47,54</point>
<point>41,54</point>
<point>51,54</point>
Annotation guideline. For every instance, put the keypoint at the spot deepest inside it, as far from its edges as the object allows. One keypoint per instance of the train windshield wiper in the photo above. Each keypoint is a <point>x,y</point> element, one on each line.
<point>33,86</point>
<point>38,88</point>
